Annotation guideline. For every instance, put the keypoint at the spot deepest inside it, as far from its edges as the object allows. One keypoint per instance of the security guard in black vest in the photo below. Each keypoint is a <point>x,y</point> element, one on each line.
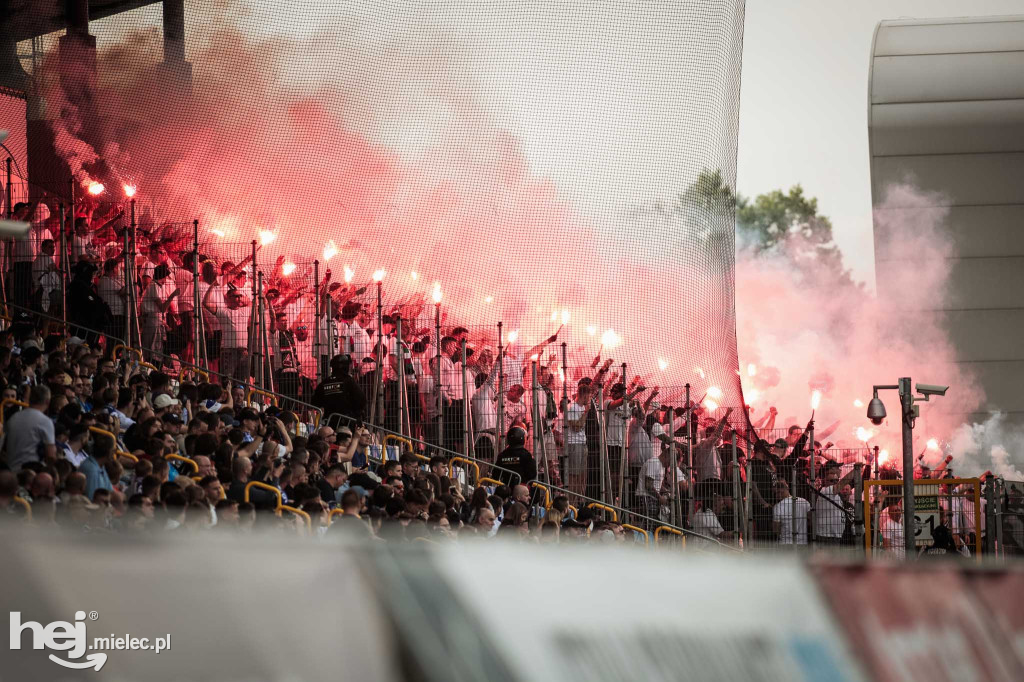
<point>340,394</point>
<point>516,458</point>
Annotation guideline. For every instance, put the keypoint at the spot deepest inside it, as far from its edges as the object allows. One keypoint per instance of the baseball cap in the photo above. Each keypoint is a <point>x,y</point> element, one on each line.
<point>163,401</point>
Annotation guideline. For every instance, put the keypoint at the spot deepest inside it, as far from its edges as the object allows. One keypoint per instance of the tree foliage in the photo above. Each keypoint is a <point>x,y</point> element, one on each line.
<point>777,224</point>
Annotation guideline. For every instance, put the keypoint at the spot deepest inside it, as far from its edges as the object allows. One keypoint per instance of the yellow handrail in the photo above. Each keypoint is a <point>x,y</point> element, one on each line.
<point>186,460</point>
<point>575,511</point>
<point>451,467</point>
<point>263,486</point>
<point>193,370</point>
<point>669,529</point>
<point>489,481</point>
<point>147,365</point>
<point>635,529</point>
<point>104,432</point>
<point>9,401</point>
<point>547,493</point>
<point>598,505</point>
<point>24,503</point>
<point>121,346</point>
<point>298,512</point>
<point>259,391</point>
<point>126,455</point>
<point>401,439</point>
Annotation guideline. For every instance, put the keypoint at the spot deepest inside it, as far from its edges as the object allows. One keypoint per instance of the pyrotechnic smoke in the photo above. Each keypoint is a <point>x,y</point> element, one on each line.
<point>844,339</point>
<point>374,140</point>
<point>993,445</point>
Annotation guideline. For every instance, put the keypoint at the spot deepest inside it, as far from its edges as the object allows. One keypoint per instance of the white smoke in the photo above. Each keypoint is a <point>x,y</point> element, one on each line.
<point>994,446</point>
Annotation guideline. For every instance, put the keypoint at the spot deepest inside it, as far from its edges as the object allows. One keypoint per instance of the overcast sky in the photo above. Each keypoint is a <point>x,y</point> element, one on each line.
<point>803,112</point>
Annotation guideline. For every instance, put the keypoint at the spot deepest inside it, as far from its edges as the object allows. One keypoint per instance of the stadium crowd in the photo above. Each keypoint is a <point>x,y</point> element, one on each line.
<point>180,455</point>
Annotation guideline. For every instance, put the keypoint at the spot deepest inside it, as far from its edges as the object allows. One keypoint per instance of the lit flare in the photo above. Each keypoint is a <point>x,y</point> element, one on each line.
<point>330,250</point>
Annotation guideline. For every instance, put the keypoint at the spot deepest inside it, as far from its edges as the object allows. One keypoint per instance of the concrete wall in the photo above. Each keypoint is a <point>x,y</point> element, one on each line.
<point>946,111</point>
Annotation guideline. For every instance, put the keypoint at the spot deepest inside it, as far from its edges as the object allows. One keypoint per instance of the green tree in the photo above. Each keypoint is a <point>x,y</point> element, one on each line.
<point>789,224</point>
<point>777,224</point>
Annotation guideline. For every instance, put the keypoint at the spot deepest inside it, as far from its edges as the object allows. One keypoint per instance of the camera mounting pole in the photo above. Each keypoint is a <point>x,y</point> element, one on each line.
<point>907,414</point>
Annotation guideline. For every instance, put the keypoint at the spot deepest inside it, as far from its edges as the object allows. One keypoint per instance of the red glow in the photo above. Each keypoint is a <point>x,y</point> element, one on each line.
<point>96,188</point>
<point>130,190</point>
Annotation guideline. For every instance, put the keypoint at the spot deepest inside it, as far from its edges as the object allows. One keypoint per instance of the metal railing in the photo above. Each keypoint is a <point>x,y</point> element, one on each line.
<point>550,491</point>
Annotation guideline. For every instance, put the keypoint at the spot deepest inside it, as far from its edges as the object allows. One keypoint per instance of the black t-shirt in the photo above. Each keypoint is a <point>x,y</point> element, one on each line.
<point>519,460</point>
<point>327,493</point>
<point>340,395</point>
<point>763,475</point>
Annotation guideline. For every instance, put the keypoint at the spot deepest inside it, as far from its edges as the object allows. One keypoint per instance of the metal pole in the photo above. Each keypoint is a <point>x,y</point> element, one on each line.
<point>10,194</point>
<point>317,321</point>
<point>812,515</point>
<point>1000,496</point>
<point>135,274</point>
<point>565,380</point>
<point>810,438</point>
<point>465,392</point>
<point>266,312</point>
<point>437,360</point>
<point>331,342</point>
<point>401,379</point>
<point>538,437</point>
<point>197,312</point>
<point>907,413</point>
<point>501,394</point>
<point>990,507</point>
<point>258,329</point>
<point>127,289</point>
<point>382,355</point>
<point>747,506</point>
<point>9,251</point>
<point>858,508</point>
<point>792,511</point>
<point>689,456</point>
<point>672,466</point>
<point>602,444</point>
<point>735,488</point>
<point>876,462</point>
<point>64,269</point>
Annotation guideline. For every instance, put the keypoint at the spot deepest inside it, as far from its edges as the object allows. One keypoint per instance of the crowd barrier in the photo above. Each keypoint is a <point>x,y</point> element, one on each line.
<point>609,491</point>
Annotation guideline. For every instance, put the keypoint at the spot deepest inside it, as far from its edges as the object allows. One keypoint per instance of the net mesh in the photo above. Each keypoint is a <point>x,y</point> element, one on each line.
<point>555,167</point>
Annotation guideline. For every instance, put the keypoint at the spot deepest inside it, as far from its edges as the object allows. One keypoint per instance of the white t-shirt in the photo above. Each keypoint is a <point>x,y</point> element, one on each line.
<point>783,515</point>
<point>183,283</point>
<point>616,426</point>
<point>108,288</point>
<point>234,326</point>
<point>829,520</point>
<point>642,446</point>
<point>706,523</point>
<point>575,436</point>
<point>485,412</point>
<point>892,531</point>
<point>515,410</point>
<point>156,294</point>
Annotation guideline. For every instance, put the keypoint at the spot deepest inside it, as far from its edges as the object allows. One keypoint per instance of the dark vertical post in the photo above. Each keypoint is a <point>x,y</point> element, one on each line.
<point>907,414</point>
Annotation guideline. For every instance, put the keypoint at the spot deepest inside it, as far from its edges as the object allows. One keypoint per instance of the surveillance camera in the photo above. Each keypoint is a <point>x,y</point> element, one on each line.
<point>876,411</point>
<point>931,389</point>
